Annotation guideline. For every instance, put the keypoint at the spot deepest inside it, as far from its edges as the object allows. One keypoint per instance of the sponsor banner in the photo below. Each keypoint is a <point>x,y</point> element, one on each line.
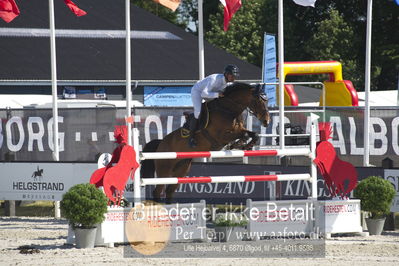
<point>339,216</point>
<point>47,181</point>
<point>237,193</point>
<point>26,135</point>
<point>392,175</point>
<point>41,181</point>
<point>167,96</point>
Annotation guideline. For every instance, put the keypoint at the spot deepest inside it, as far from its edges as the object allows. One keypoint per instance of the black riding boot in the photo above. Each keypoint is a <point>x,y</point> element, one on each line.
<point>193,128</point>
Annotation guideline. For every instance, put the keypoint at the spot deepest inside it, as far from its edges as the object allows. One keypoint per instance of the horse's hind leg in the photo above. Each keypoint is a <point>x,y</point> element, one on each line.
<point>170,190</point>
<point>163,169</point>
<point>181,169</point>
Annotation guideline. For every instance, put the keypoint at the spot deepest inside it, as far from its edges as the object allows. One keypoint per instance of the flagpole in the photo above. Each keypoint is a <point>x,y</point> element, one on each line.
<point>366,139</point>
<point>128,71</point>
<point>281,72</point>
<point>201,40</point>
<point>56,155</point>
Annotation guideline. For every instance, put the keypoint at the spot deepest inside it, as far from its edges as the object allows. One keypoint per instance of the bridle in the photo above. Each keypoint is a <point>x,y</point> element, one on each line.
<point>263,112</point>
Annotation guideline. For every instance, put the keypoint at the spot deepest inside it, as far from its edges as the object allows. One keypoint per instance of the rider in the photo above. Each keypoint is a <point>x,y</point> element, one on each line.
<point>209,88</point>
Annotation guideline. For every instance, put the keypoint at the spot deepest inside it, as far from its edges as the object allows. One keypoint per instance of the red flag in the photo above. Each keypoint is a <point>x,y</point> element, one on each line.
<point>230,8</point>
<point>8,10</point>
<point>74,8</point>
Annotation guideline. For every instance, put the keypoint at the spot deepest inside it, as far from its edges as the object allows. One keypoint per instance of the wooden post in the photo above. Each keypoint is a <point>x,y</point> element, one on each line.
<point>9,205</point>
<point>9,208</point>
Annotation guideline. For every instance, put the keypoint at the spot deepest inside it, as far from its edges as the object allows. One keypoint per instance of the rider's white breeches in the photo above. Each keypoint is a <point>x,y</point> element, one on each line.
<point>197,102</point>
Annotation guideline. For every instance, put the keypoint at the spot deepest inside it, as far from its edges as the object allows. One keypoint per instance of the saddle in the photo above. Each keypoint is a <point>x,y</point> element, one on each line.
<point>203,120</point>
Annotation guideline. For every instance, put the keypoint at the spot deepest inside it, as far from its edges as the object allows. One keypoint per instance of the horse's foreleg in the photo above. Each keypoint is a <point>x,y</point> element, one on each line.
<point>254,138</point>
<point>241,138</point>
<point>237,144</point>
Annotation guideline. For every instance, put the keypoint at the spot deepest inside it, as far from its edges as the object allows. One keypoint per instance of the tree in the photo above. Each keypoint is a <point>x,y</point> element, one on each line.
<point>244,39</point>
<point>306,37</point>
<point>333,30</point>
<point>333,40</point>
<point>188,13</point>
<point>385,45</point>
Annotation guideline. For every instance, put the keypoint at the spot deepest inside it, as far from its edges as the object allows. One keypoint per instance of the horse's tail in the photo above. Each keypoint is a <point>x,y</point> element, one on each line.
<point>148,166</point>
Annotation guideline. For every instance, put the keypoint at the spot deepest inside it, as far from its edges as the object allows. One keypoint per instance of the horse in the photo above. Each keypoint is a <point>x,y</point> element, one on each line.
<point>224,126</point>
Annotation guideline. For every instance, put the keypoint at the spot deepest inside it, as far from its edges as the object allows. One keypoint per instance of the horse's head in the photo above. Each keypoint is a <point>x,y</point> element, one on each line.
<point>240,96</point>
<point>258,105</point>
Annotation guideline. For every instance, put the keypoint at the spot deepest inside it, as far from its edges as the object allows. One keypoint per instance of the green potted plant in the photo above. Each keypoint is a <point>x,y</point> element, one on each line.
<point>231,226</point>
<point>84,206</point>
<point>376,195</point>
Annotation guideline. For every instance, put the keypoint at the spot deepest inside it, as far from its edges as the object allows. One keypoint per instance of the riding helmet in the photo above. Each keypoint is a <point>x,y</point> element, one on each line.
<point>233,70</point>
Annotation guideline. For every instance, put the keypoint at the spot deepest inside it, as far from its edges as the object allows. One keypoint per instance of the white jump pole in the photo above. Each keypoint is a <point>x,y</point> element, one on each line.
<point>201,56</point>
<point>281,72</point>
<point>366,130</point>
<point>128,71</point>
<point>56,152</point>
<point>313,167</point>
<point>137,177</point>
